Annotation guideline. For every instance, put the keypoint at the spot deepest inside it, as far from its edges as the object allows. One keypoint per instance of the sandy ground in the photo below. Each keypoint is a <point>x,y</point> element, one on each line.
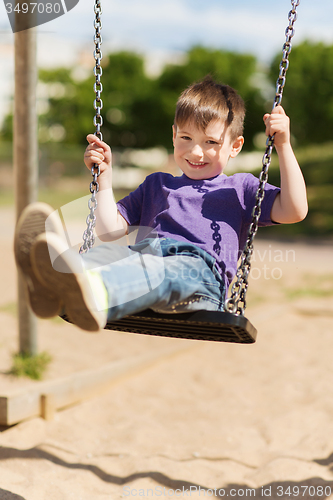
<point>215,419</point>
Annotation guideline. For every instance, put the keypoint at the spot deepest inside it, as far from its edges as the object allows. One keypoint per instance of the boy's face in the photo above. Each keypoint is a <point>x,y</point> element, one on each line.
<point>203,155</point>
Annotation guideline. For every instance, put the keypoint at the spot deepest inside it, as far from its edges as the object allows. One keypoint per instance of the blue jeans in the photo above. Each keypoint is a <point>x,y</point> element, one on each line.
<point>162,274</point>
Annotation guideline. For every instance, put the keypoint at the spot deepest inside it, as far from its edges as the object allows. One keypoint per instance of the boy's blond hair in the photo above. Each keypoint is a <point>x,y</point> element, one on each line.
<point>208,101</point>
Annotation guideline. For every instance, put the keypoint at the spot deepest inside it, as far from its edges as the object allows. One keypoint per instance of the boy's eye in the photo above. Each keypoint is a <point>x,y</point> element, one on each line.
<point>186,137</point>
<point>211,142</point>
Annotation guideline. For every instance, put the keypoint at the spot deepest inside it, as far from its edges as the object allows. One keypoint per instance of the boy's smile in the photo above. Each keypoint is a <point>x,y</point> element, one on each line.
<point>198,165</point>
<point>204,154</point>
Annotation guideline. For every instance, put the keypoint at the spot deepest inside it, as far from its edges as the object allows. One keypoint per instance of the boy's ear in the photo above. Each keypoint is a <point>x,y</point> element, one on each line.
<point>237,146</point>
<point>174,133</point>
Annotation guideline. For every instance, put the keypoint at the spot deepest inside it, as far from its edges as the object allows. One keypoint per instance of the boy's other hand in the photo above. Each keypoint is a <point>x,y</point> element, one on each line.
<point>97,152</point>
<point>278,123</point>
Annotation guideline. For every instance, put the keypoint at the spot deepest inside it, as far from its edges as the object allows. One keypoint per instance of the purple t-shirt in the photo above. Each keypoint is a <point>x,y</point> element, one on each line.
<point>213,214</point>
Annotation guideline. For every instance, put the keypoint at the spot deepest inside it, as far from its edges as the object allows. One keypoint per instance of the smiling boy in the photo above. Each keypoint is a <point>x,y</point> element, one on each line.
<point>208,129</point>
<point>196,224</point>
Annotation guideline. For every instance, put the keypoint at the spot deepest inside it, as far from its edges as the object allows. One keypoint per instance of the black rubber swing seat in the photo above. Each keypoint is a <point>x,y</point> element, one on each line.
<point>216,326</point>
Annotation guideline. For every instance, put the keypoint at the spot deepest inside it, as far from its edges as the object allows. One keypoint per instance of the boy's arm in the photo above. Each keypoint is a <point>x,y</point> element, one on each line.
<point>110,225</point>
<point>290,204</point>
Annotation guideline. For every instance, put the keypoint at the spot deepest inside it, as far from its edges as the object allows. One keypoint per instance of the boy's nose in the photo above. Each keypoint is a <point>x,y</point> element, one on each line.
<point>197,151</point>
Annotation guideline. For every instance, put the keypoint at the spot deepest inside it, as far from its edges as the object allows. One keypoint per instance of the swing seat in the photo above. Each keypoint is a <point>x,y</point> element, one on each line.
<point>216,326</point>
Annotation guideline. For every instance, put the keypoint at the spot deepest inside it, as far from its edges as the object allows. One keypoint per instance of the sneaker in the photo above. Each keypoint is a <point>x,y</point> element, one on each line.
<point>36,219</point>
<point>61,270</point>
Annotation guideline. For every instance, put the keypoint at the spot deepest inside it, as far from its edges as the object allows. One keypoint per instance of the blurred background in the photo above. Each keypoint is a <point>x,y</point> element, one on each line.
<point>151,51</point>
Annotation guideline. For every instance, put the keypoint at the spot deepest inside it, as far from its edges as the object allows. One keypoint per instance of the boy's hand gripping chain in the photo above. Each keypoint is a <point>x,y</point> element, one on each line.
<point>236,304</point>
<point>88,235</point>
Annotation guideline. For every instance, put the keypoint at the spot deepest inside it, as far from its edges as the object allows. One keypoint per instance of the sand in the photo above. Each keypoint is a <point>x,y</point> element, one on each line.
<point>212,420</point>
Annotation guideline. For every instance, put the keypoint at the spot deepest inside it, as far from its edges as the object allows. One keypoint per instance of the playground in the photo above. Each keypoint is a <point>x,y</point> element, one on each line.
<point>190,417</point>
<point>120,415</point>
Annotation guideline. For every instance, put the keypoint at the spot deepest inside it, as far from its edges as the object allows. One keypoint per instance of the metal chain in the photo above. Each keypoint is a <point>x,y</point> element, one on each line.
<point>237,302</point>
<point>88,235</point>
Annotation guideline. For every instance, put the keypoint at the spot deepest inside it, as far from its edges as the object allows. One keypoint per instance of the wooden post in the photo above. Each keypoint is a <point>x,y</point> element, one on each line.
<point>47,406</point>
<point>25,157</point>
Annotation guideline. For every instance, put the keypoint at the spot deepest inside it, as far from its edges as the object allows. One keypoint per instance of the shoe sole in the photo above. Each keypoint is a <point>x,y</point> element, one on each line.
<point>31,224</point>
<point>69,283</point>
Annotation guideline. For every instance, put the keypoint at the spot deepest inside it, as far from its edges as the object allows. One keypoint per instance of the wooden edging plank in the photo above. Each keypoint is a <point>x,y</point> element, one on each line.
<point>46,397</point>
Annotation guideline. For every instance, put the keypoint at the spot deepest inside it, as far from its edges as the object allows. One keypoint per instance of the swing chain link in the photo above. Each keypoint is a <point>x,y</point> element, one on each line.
<point>236,304</point>
<point>88,235</point>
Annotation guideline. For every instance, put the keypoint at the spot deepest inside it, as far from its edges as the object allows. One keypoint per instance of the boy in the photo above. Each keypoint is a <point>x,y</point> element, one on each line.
<point>196,224</point>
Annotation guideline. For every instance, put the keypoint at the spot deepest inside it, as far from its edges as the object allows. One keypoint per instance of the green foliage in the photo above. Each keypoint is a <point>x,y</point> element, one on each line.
<point>6,132</point>
<point>138,111</point>
<point>156,111</point>
<point>316,163</point>
<point>69,105</point>
<point>308,96</point>
<point>125,84</point>
<point>25,365</point>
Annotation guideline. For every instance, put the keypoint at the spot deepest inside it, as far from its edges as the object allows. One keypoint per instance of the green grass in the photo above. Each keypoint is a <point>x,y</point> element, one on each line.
<point>34,367</point>
<point>6,197</point>
<point>56,197</point>
<point>312,286</point>
<point>9,308</point>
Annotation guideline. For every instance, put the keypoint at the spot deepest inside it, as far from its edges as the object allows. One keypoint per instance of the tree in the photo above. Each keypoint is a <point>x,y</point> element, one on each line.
<point>68,107</point>
<point>125,83</point>
<point>236,70</point>
<point>308,96</point>
<point>150,105</point>
<point>138,111</point>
